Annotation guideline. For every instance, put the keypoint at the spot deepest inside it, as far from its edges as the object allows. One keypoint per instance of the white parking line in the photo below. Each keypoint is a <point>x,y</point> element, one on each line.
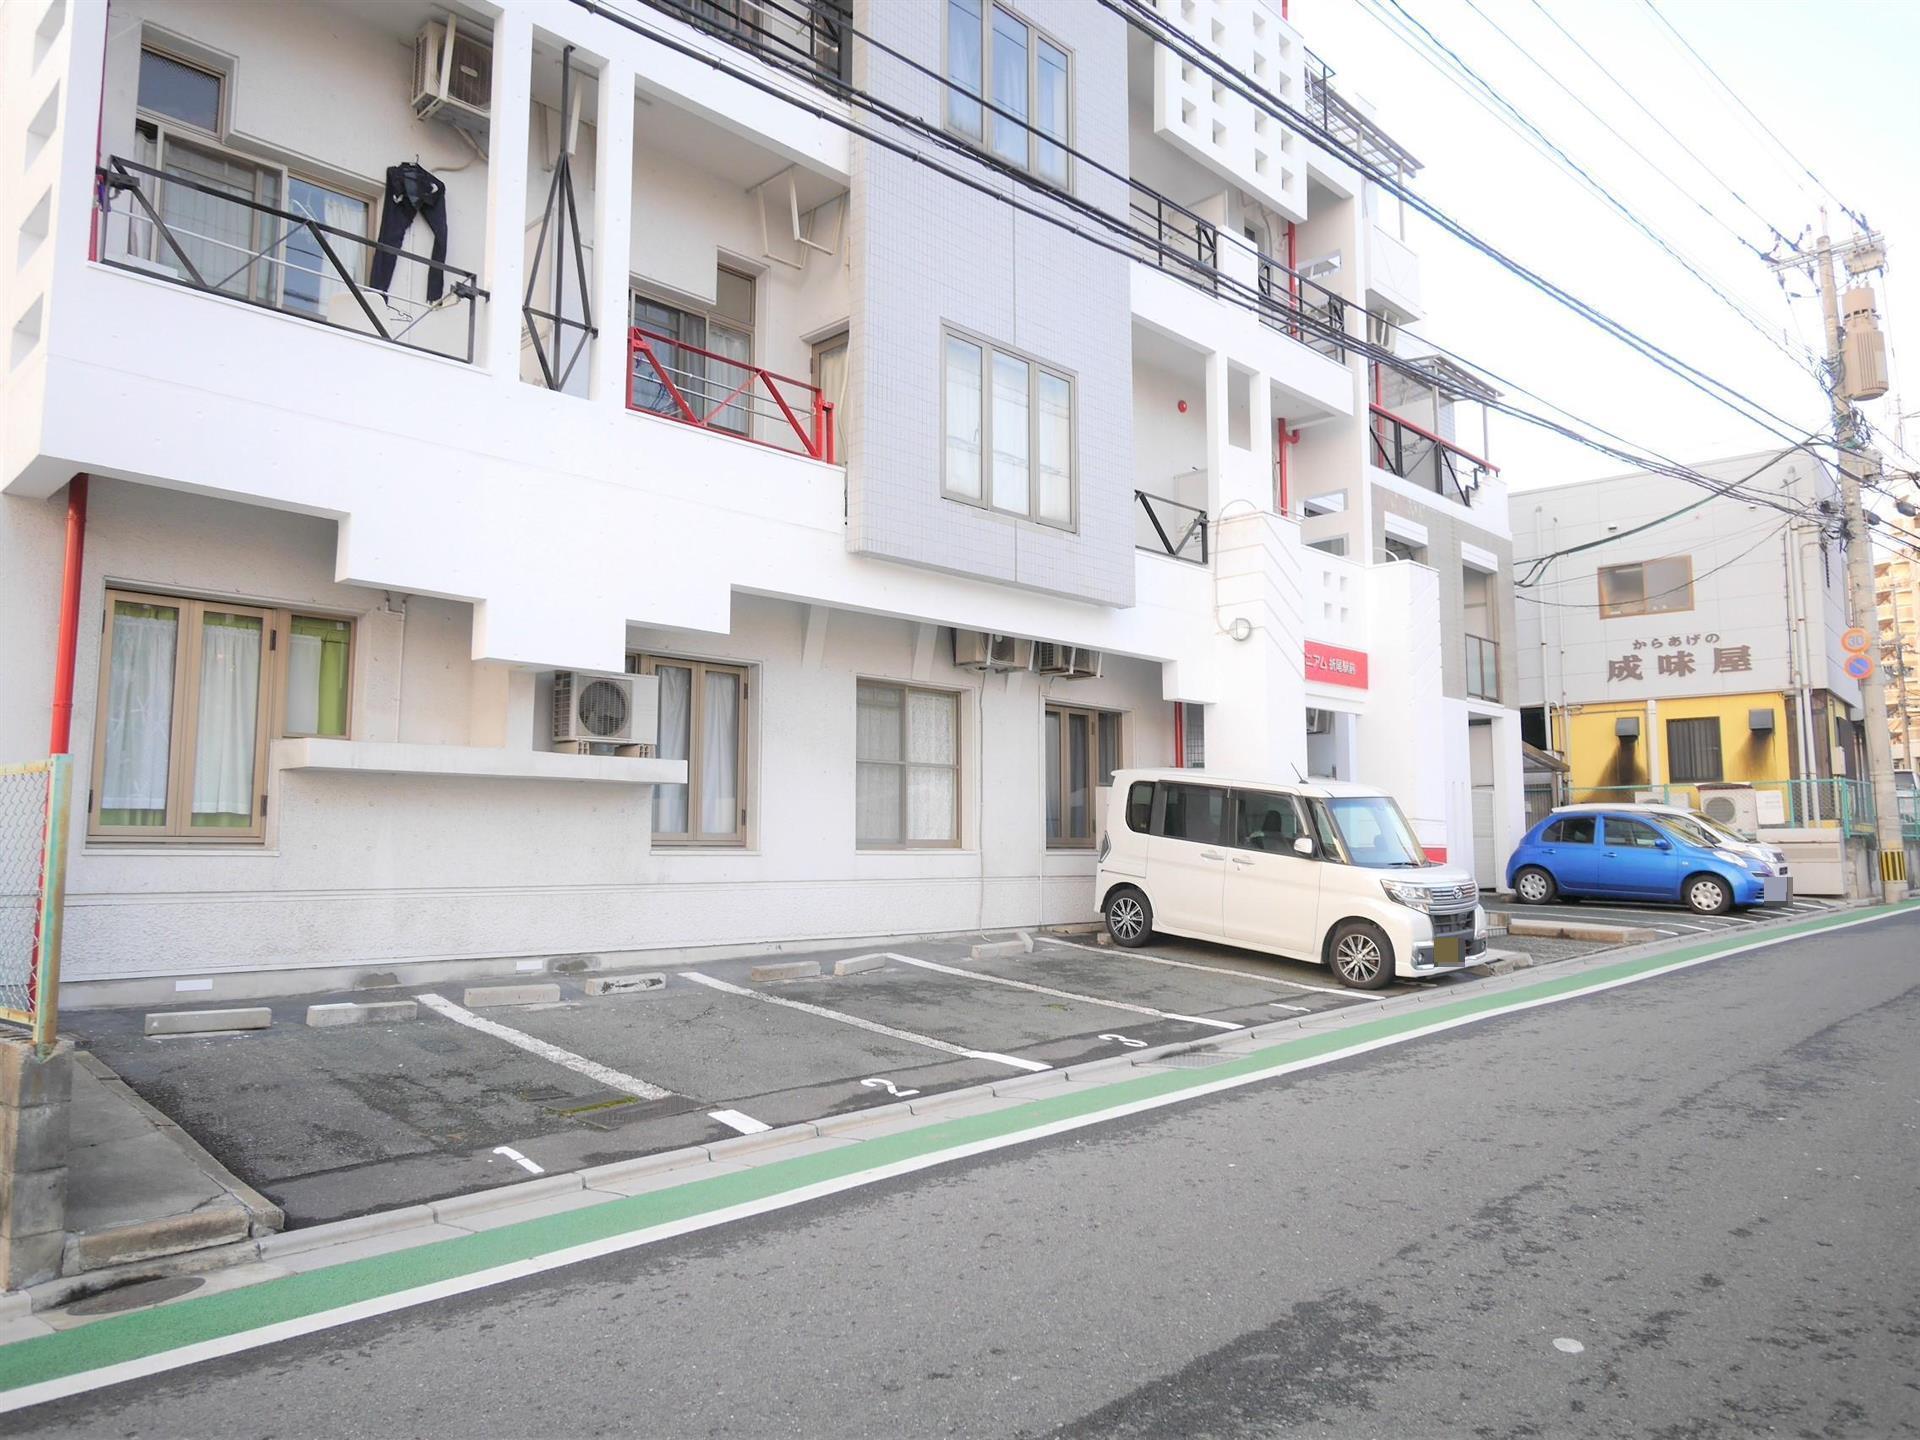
<point>592,1069</point>
<point>875,1026</point>
<point>519,1159</point>
<point>740,1121</point>
<point>1063,994</point>
<point>1209,969</point>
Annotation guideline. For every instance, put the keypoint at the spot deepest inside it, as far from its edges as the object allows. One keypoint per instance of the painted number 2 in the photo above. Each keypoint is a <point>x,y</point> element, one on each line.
<point>1127,1041</point>
<point>876,1083</point>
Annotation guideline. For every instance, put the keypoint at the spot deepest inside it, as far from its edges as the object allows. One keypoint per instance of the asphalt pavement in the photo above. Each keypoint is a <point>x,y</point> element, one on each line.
<point>1684,1207</point>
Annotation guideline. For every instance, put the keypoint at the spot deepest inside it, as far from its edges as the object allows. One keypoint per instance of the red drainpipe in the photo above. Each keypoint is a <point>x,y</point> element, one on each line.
<point>69,639</point>
<point>1283,440</point>
<point>1179,735</point>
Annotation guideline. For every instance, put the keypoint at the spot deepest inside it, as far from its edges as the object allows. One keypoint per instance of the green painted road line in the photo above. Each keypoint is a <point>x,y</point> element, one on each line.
<point>285,1301</point>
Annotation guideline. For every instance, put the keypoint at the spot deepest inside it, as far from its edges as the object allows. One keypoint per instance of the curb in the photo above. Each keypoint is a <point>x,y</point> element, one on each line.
<point>207,1022</point>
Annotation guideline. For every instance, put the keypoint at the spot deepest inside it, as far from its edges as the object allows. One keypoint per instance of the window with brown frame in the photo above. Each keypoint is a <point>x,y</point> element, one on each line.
<point>703,721</point>
<point>906,767</point>
<point>190,693</point>
<point>1082,752</point>
<point>1648,587</point>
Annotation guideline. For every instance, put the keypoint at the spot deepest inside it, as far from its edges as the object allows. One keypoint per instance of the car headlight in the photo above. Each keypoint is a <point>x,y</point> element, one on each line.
<point>1414,897</point>
<point>1759,867</point>
<point>1732,858</point>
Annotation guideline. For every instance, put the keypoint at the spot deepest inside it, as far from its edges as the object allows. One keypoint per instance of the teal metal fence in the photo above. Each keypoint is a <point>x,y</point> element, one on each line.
<point>1779,804</point>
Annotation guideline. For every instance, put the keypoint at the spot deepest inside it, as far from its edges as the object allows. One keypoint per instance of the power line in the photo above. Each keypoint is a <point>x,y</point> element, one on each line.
<point>1675,590</point>
<point>1640,105</point>
<point>1847,210</point>
<point>1142,18</point>
<point>1566,161</point>
<point>1239,293</point>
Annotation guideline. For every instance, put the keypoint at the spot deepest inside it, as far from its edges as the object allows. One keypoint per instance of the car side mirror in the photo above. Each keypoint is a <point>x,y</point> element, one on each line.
<point>1303,846</point>
<point>1663,844</point>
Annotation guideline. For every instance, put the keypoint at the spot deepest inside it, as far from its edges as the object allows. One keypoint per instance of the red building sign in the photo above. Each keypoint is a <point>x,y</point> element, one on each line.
<point>1336,665</point>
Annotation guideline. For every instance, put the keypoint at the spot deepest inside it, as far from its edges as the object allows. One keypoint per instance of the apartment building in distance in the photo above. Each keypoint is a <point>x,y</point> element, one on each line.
<point>560,478</point>
<point>1702,662</point>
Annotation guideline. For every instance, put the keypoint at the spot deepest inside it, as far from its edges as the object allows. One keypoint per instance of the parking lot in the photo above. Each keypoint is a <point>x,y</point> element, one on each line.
<point>336,1122</point>
<point>1672,921</point>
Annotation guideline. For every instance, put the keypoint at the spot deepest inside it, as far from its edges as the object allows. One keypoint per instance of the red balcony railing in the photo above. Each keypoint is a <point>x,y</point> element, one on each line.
<point>1429,460</point>
<point>683,382</point>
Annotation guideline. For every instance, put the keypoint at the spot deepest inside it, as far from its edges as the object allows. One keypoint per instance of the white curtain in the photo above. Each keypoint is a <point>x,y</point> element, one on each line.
<point>1010,87</point>
<point>223,751</point>
<point>878,774</point>
<point>1011,478</point>
<point>932,742</point>
<point>963,419</point>
<point>736,415</point>
<point>676,729</point>
<point>139,711</point>
<point>303,684</point>
<point>720,755</point>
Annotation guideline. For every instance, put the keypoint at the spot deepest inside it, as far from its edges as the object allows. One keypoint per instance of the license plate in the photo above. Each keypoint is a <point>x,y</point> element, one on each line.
<point>1450,950</point>
<point>1775,890</point>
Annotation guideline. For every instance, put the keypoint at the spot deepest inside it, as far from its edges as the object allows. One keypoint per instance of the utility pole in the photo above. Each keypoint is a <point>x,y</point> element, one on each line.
<point>1866,612</point>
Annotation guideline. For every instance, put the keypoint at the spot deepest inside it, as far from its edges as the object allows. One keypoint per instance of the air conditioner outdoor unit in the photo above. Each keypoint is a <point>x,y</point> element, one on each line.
<point>1649,797</point>
<point>1735,806</point>
<point>453,75</point>
<point>605,709</point>
<point>1069,662</point>
<point>977,650</point>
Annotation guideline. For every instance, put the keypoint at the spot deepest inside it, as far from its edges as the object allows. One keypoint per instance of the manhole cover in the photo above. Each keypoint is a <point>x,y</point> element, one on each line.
<point>132,1297</point>
<point>1185,1060</point>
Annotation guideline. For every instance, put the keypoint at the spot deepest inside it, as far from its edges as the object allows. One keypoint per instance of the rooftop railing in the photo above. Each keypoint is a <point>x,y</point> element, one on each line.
<point>714,391</point>
<point>1428,460</point>
<point>811,36</point>
<point>162,223</point>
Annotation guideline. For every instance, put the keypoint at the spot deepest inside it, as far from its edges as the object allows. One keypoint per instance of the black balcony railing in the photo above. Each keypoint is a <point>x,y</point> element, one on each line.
<point>1174,238</point>
<point>1483,668</point>
<point>813,37</point>
<point>1428,460</point>
<point>1309,312</point>
<point>207,238</point>
<point>1168,527</point>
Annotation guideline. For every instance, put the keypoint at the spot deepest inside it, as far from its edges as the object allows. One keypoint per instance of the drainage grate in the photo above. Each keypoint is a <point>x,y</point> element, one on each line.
<point>133,1297</point>
<point>1184,1060</point>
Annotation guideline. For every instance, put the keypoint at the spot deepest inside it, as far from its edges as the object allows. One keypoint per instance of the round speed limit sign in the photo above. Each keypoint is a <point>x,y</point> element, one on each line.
<point>1855,640</point>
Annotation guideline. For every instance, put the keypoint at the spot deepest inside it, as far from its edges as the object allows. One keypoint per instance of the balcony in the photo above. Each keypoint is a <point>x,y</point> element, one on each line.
<point>1334,113</point>
<point>811,37</point>
<point>209,237</point>
<point>1162,526</point>
<point>1425,459</point>
<point>1483,668</point>
<point>1174,238</point>
<point>704,388</point>
<point>1310,313</point>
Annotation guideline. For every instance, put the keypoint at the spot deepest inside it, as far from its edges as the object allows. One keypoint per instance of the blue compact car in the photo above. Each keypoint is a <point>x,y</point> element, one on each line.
<point>1637,857</point>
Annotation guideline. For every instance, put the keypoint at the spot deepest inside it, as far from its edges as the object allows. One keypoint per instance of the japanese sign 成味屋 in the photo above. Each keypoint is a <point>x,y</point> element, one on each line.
<point>1679,656</point>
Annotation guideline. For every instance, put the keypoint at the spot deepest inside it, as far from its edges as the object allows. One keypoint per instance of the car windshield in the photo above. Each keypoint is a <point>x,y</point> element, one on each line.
<point>1375,833</point>
<point>1720,833</point>
<point>1696,831</point>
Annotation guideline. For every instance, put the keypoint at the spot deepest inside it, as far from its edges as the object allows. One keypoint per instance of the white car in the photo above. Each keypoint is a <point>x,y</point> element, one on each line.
<point>1321,871</point>
<point>1720,836</point>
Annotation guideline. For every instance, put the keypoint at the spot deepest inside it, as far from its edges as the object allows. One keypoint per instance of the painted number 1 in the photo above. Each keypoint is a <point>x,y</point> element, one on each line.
<point>876,1083</point>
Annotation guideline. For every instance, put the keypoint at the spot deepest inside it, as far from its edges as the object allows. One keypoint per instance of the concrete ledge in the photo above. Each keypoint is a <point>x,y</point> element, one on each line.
<point>859,964</point>
<point>371,1012</point>
<point>856,1119</point>
<point>618,1170</point>
<point>765,1140</point>
<point>998,949</point>
<point>1579,930</point>
<point>208,1022</point>
<point>626,984</point>
<point>785,970</point>
<point>449,1211</point>
<point>341,1232</point>
<point>1501,962</point>
<point>149,1239</point>
<point>481,997</point>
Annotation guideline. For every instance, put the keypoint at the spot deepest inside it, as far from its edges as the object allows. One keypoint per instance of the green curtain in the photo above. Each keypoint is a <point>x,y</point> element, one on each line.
<point>334,637</point>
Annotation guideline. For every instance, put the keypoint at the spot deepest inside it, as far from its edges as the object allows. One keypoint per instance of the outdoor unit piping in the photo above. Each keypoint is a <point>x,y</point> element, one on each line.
<point>69,637</point>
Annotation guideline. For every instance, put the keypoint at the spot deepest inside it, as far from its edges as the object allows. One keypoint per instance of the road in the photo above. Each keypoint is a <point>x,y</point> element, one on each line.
<point>1685,1207</point>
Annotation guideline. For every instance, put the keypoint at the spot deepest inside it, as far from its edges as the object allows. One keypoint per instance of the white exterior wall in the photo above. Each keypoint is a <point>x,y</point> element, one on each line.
<point>484,531</point>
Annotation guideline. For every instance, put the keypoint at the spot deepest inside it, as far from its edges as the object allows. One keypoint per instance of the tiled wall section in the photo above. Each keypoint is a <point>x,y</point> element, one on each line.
<point>1445,536</point>
<point>928,252</point>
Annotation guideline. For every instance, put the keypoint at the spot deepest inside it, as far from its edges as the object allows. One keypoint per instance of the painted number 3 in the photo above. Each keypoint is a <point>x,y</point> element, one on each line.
<point>1127,1041</point>
<point>876,1083</point>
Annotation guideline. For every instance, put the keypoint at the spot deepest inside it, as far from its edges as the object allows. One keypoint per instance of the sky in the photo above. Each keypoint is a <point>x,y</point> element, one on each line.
<point>1835,80</point>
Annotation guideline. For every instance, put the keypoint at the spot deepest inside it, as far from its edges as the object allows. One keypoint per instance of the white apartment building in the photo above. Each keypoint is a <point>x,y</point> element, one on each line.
<point>426,362</point>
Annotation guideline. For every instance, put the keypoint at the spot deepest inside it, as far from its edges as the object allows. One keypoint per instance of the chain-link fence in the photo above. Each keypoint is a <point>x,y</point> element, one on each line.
<point>33,814</point>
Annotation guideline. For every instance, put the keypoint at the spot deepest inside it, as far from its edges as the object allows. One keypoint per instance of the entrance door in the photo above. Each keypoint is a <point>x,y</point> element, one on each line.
<point>1486,862</point>
<point>1187,858</point>
<point>1272,893</point>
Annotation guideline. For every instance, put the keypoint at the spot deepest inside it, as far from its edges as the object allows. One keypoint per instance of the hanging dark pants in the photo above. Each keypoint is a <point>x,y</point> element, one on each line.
<point>412,191</point>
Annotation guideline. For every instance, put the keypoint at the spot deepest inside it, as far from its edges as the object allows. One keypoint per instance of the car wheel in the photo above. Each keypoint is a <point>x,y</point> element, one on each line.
<point>1708,895</point>
<point>1361,956</point>
<point>1129,918</point>
<point>1535,886</point>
